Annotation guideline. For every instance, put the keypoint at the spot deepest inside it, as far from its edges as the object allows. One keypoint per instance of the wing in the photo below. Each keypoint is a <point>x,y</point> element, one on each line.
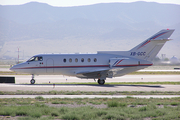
<point>100,73</point>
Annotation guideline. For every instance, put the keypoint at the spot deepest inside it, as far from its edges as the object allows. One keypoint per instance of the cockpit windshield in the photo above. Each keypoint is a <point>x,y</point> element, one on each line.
<point>35,58</point>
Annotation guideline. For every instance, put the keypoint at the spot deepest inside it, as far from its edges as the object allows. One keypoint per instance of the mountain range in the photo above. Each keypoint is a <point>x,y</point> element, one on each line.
<point>40,28</point>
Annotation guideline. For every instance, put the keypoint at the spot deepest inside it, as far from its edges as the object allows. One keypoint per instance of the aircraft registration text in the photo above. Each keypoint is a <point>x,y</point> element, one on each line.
<point>138,53</point>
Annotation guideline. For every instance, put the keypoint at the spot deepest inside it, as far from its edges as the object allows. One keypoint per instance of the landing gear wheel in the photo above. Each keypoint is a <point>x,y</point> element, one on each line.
<point>101,82</point>
<point>32,81</point>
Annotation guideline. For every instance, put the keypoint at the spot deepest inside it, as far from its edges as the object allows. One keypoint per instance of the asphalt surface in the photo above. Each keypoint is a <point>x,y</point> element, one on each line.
<point>42,83</point>
<point>45,79</point>
<point>88,87</point>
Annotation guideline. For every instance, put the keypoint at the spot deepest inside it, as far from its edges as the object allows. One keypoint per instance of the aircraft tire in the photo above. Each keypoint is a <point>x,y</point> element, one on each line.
<point>32,81</point>
<point>101,82</point>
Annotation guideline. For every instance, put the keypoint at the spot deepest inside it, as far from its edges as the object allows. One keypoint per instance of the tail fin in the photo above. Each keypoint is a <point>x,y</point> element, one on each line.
<point>148,49</point>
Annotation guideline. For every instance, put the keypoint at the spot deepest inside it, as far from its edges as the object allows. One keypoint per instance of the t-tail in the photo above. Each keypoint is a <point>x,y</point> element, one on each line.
<point>148,49</point>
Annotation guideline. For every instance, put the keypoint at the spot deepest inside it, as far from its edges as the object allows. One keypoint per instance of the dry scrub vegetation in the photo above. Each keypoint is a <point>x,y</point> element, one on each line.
<point>84,109</point>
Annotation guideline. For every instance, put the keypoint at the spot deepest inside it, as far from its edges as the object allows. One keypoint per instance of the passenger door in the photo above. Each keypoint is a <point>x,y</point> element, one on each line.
<point>50,66</point>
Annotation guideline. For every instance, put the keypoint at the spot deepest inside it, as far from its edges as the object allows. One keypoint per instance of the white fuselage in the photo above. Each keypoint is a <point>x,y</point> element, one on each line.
<point>72,64</point>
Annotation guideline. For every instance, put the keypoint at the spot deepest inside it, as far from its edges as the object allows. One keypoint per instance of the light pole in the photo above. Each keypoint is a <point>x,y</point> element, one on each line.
<point>18,55</point>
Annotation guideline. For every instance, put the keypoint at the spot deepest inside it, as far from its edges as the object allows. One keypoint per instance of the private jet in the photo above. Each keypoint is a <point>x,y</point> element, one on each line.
<point>102,65</point>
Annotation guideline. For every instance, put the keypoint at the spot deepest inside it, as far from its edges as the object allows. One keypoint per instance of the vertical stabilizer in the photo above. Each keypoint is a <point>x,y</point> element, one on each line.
<point>149,48</point>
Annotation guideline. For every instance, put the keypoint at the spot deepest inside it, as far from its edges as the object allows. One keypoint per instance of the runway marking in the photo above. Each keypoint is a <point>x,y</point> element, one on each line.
<point>45,85</point>
<point>90,96</point>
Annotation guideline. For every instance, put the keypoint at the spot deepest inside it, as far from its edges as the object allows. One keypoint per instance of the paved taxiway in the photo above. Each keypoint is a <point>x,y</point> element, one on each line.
<point>89,87</point>
<point>43,83</point>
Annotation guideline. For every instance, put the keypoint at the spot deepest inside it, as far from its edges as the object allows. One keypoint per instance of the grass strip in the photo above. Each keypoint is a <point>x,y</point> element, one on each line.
<point>11,73</point>
<point>19,92</point>
<point>116,108</point>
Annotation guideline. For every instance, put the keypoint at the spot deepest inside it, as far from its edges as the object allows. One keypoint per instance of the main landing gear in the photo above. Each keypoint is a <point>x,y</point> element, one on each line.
<point>32,81</point>
<point>101,81</point>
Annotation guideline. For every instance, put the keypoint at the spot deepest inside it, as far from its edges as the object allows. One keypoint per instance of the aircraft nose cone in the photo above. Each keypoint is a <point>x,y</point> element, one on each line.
<point>12,68</point>
<point>18,67</point>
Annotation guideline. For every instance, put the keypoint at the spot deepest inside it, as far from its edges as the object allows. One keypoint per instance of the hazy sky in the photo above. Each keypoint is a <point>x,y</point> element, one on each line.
<point>79,2</point>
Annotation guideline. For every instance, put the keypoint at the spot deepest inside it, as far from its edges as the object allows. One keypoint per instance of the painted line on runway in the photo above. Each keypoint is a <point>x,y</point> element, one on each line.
<point>90,96</point>
<point>48,85</point>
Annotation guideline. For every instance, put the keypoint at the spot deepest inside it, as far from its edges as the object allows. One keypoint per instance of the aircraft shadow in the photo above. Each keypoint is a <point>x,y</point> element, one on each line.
<point>95,85</point>
<point>153,86</point>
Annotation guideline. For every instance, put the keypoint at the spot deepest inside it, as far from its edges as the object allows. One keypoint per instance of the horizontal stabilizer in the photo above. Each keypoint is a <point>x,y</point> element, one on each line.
<point>163,34</point>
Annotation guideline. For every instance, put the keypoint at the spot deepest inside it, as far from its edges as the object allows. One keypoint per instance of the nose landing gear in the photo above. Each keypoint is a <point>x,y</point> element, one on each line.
<point>32,81</point>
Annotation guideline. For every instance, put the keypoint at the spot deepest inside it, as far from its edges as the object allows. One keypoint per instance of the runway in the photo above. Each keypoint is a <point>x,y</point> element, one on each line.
<point>22,83</point>
<point>89,87</point>
<point>44,79</point>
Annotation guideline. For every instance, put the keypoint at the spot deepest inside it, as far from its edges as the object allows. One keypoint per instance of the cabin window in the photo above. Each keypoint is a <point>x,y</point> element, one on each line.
<point>89,60</point>
<point>95,60</point>
<point>64,60</point>
<point>76,60</point>
<point>70,60</point>
<point>40,58</point>
<point>36,59</point>
<point>82,60</point>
